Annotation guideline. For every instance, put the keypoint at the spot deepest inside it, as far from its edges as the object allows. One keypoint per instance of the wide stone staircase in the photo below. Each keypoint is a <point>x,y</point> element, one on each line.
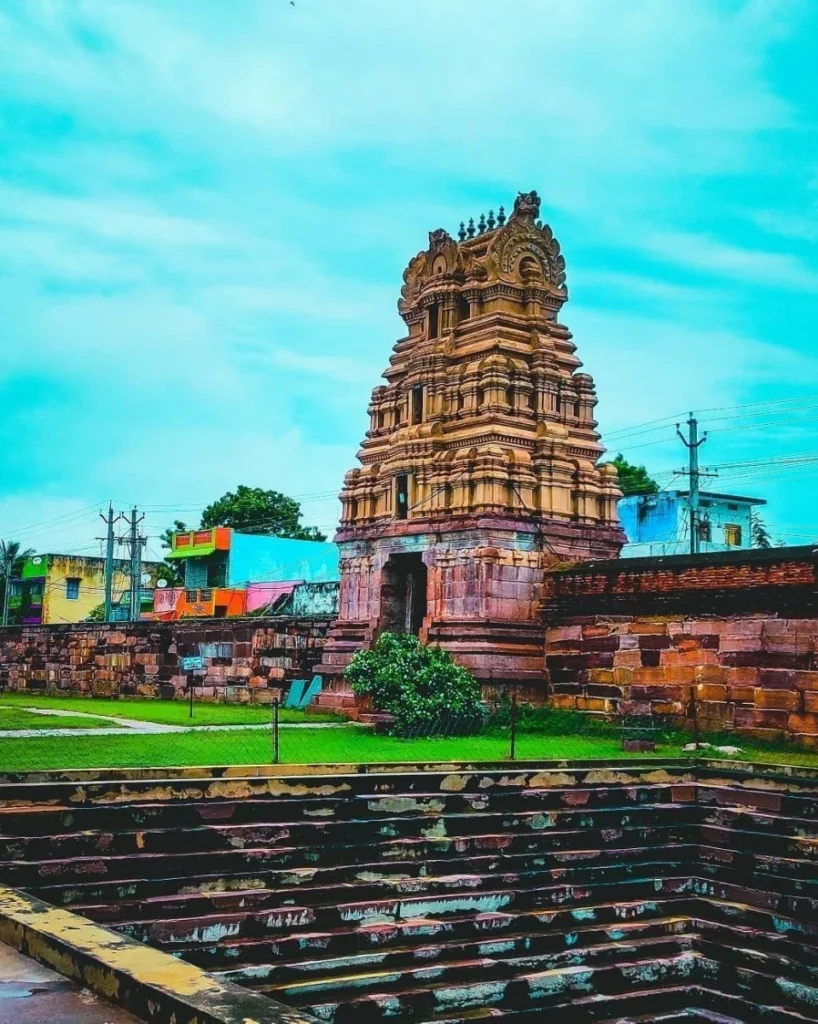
<point>637,891</point>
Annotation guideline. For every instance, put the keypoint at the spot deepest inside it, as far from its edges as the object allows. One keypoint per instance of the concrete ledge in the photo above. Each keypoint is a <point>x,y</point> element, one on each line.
<point>86,776</point>
<point>156,987</point>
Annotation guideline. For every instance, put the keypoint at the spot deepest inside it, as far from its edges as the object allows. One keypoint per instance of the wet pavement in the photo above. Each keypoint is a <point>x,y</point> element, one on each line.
<point>33,994</point>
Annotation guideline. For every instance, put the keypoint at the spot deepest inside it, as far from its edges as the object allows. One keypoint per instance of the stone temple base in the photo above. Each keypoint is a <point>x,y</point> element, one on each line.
<point>475,589</point>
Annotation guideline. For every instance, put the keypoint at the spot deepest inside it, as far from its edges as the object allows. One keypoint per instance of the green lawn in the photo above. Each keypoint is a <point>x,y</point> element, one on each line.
<point>348,743</point>
<point>12,717</point>
<point>298,746</point>
<point>168,712</point>
<point>311,746</point>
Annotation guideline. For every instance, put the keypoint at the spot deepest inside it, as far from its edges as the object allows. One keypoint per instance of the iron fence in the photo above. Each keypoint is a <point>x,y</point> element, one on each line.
<point>39,734</point>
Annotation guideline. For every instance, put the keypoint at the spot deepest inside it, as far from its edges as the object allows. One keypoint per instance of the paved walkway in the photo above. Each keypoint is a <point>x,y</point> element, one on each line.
<point>129,726</point>
<point>33,994</point>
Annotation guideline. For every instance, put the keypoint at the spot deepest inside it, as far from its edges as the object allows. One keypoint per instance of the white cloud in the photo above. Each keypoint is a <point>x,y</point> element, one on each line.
<point>710,256</point>
<point>204,218</point>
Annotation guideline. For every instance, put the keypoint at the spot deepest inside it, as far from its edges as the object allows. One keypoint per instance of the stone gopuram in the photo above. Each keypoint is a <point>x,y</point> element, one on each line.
<point>480,467</point>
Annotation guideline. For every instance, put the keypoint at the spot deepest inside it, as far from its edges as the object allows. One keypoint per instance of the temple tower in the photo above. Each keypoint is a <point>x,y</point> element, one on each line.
<point>481,463</point>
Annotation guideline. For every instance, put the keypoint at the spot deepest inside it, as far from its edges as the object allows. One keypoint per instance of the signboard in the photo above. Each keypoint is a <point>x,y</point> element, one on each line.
<point>192,663</point>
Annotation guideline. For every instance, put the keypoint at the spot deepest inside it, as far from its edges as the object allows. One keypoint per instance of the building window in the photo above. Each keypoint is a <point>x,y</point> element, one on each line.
<point>732,536</point>
<point>15,588</point>
<point>72,588</point>
<point>36,589</point>
<point>704,531</point>
<point>417,404</point>
<point>434,321</point>
<point>402,503</point>
<point>191,596</point>
<point>732,508</point>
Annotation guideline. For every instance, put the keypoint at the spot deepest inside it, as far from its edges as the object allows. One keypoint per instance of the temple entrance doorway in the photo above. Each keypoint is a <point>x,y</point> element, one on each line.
<point>403,594</point>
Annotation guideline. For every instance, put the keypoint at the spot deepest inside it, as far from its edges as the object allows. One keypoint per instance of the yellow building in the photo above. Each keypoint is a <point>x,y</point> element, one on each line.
<point>55,589</point>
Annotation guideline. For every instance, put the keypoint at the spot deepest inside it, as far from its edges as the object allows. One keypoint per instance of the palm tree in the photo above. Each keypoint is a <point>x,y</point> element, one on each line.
<point>10,557</point>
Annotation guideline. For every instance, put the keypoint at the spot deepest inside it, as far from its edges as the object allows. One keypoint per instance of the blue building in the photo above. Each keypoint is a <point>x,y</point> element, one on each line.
<point>227,573</point>
<point>659,524</point>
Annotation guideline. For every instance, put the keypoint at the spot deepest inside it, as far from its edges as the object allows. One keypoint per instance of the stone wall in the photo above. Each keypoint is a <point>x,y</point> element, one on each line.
<point>244,658</point>
<point>735,635</point>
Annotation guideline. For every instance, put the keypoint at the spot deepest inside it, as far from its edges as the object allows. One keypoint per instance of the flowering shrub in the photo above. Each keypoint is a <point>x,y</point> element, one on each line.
<point>422,687</point>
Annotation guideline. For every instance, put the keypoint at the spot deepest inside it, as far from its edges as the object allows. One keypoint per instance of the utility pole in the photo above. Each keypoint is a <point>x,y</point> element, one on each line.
<point>6,592</point>
<point>136,561</point>
<point>109,521</point>
<point>693,442</point>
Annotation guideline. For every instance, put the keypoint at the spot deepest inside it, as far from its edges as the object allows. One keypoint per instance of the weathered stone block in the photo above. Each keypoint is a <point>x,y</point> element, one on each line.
<point>788,700</point>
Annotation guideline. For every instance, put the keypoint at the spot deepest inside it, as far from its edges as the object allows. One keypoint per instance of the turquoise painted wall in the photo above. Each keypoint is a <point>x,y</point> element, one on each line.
<point>255,559</point>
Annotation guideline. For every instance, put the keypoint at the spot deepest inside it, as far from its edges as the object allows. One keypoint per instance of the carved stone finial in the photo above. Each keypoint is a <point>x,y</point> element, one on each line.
<point>526,206</point>
<point>470,228</point>
<point>438,238</point>
<point>501,216</point>
<point>481,225</point>
<point>461,234</point>
<point>491,221</point>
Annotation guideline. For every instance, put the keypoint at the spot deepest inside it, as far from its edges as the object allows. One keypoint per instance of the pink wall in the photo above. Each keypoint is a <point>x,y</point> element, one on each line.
<point>260,594</point>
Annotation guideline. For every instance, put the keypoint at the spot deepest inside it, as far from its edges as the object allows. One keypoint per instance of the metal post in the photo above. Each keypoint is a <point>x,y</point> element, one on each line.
<point>276,746</point>
<point>109,560</point>
<point>693,712</point>
<point>190,687</point>
<point>6,593</point>
<point>693,442</point>
<point>135,542</point>
<point>513,751</point>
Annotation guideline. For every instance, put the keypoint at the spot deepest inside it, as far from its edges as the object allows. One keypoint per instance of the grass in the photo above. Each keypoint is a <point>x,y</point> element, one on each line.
<point>18,718</point>
<point>301,746</point>
<point>166,712</point>
<point>546,740</point>
<point>311,746</point>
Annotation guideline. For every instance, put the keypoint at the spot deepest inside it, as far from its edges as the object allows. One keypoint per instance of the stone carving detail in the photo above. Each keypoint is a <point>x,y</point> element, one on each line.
<point>526,206</point>
<point>521,238</point>
<point>438,239</point>
<point>475,417</point>
<point>481,463</point>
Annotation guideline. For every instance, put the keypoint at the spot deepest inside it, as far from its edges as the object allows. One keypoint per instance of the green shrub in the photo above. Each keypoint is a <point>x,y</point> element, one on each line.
<point>422,687</point>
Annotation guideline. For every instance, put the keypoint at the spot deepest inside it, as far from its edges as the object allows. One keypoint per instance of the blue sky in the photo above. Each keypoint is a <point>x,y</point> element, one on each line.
<point>206,209</point>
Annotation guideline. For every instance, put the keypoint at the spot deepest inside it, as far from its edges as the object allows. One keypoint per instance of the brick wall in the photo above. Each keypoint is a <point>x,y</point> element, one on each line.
<point>781,581</point>
<point>735,633</point>
<point>244,658</point>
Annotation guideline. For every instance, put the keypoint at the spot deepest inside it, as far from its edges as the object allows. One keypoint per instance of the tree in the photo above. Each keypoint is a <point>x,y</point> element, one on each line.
<point>11,562</point>
<point>254,510</point>
<point>423,688</point>
<point>173,571</point>
<point>167,535</point>
<point>96,614</point>
<point>759,534</point>
<point>634,479</point>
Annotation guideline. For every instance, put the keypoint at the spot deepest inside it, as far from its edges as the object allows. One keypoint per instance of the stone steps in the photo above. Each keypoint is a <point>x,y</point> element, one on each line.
<point>606,894</point>
<point>430,978</point>
<point>444,945</point>
<point>275,919</point>
<point>439,933</point>
<point>341,806</point>
<point>375,881</point>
